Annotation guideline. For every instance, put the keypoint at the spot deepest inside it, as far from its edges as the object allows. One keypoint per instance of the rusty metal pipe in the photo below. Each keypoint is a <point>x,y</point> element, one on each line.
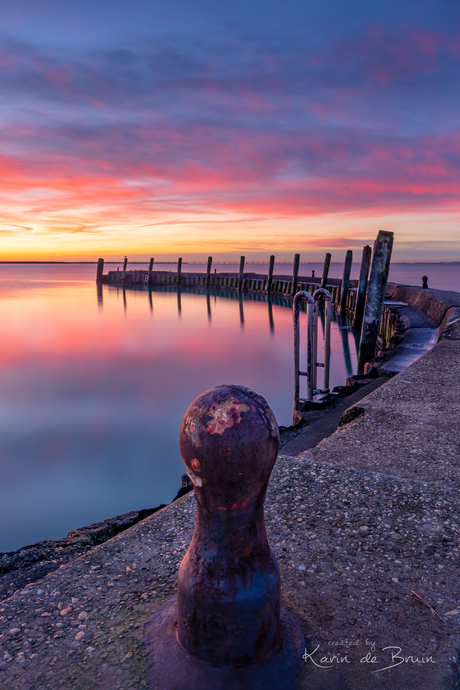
<point>318,296</point>
<point>297,373</point>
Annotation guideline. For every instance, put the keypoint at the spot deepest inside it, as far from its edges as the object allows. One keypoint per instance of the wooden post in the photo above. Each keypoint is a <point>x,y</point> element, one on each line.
<point>241,274</point>
<point>100,270</point>
<point>270,274</point>
<point>345,282</point>
<point>150,270</point>
<point>125,263</point>
<point>295,273</point>
<point>327,263</point>
<point>362,287</point>
<point>208,271</point>
<point>375,297</point>
<point>179,270</point>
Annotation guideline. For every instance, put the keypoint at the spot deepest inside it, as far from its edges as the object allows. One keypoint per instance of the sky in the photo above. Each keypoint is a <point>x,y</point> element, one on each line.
<point>191,128</point>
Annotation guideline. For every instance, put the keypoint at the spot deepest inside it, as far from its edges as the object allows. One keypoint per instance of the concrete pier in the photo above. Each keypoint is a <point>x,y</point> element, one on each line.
<point>357,524</point>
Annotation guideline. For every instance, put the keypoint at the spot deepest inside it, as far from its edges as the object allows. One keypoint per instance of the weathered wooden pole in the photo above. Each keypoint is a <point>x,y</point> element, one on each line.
<point>125,263</point>
<point>345,282</point>
<point>241,274</point>
<point>362,287</point>
<point>271,267</point>
<point>327,263</point>
<point>208,271</point>
<point>100,270</point>
<point>375,297</point>
<point>295,273</point>
<point>150,270</point>
<point>179,270</point>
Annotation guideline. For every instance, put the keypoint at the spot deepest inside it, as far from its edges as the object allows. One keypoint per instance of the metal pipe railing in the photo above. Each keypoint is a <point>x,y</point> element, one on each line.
<point>297,373</point>
<point>312,340</point>
<point>321,292</point>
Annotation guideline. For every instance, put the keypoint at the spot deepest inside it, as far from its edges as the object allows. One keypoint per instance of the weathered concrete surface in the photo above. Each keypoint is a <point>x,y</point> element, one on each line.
<point>432,303</point>
<point>450,325</point>
<point>411,425</point>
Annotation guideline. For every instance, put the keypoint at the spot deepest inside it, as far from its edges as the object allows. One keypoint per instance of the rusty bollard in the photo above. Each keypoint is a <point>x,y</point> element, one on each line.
<point>226,627</point>
<point>425,282</point>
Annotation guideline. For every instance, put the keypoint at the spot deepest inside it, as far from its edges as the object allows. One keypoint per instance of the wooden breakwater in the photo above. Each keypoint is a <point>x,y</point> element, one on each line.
<point>279,285</point>
<point>362,299</point>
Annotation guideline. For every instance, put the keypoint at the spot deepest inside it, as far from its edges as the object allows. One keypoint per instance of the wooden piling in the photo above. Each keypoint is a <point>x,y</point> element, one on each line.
<point>271,267</point>
<point>295,273</point>
<point>327,263</point>
<point>208,271</point>
<point>150,269</point>
<point>241,274</point>
<point>375,297</point>
<point>345,282</point>
<point>362,287</point>
<point>125,263</point>
<point>100,270</point>
<point>179,270</point>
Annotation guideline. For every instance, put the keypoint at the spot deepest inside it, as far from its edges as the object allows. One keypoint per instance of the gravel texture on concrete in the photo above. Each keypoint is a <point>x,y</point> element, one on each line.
<point>358,524</point>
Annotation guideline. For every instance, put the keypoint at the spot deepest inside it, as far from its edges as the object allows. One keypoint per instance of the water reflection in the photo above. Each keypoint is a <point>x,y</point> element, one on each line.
<point>92,392</point>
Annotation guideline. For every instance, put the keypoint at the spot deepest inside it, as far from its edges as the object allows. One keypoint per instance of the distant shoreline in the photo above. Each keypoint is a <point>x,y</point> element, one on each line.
<point>230,263</point>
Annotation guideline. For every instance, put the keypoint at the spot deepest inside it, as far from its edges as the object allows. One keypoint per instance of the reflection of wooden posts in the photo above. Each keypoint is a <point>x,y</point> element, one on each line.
<point>270,315</point>
<point>327,263</point>
<point>295,273</point>
<point>345,282</point>
<point>241,274</point>
<point>124,300</point>
<point>208,304</point>
<point>375,297</point>
<point>362,287</point>
<point>208,271</point>
<point>271,267</point>
<point>179,303</point>
<point>100,298</point>
<point>179,270</point>
<point>240,299</point>
<point>150,301</point>
<point>125,263</point>
<point>100,270</point>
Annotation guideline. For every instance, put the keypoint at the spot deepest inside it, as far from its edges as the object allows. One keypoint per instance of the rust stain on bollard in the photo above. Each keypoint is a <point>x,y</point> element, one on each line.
<point>226,627</point>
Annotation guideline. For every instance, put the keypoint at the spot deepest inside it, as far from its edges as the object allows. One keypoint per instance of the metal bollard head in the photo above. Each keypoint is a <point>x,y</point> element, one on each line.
<point>229,441</point>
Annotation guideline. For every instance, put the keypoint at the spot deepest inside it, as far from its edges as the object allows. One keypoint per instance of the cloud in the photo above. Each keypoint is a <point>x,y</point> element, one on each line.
<point>365,123</point>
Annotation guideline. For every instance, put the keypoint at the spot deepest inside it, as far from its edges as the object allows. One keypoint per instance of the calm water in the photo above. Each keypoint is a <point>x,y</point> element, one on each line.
<point>92,394</point>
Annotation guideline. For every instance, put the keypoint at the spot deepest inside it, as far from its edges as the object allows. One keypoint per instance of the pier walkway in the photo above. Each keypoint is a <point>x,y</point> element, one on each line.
<point>358,523</point>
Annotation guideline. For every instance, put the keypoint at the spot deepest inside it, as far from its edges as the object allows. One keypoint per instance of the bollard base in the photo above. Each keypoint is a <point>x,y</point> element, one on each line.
<point>170,667</point>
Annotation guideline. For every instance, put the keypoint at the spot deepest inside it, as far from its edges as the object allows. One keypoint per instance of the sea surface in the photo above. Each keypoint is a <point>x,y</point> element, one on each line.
<point>93,387</point>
